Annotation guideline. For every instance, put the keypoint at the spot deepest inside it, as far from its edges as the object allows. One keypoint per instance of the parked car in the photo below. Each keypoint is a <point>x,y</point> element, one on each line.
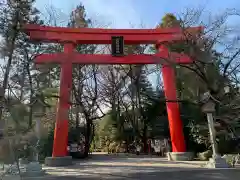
<point>75,149</point>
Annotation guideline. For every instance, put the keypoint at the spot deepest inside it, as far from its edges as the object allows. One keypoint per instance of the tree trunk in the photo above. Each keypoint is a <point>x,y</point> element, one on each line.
<point>31,95</point>
<point>144,139</point>
<point>79,88</point>
<point>11,47</point>
<point>77,118</point>
<point>22,83</point>
<point>87,138</point>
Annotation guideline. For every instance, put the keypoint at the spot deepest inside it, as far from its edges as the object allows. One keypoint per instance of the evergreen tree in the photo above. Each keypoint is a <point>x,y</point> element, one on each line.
<point>15,48</point>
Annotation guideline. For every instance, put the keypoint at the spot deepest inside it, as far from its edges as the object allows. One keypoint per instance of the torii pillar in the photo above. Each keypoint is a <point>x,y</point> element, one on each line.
<point>59,154</point>
<point>175,122</point>
<point>60,142</point>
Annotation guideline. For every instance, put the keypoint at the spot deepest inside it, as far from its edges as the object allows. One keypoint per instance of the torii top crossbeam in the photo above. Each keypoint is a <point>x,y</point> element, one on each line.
<point>103,36</point>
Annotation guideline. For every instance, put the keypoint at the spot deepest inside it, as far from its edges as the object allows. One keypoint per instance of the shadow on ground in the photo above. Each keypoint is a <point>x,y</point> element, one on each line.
<point>232,174</point>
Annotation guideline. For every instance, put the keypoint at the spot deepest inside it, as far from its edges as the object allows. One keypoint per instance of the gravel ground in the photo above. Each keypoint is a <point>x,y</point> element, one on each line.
<point>103,167</point>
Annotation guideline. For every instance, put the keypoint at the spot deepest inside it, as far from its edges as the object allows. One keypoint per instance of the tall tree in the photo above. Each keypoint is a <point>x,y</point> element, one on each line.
<point>85,84</point>
<point>15,48</point>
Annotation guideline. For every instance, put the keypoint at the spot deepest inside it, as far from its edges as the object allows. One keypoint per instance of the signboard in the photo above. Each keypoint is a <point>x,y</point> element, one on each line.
<point>117,46</point>
<point>208,107</point>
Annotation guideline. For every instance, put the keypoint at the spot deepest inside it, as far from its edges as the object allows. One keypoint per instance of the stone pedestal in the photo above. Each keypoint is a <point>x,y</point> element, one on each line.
<point>58,161</point>
<point>34,169</point>
<point>23,162</point>
<point>180,156</point>
<point>217,162</point>
<point>12,170</point>
<point>11,177</point>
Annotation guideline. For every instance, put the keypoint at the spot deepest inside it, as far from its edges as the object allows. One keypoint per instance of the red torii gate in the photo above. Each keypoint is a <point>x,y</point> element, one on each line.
<point>70,37</point>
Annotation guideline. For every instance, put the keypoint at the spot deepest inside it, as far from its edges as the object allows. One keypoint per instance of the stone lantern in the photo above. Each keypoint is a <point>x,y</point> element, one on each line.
<point>208,103</point>
<point>39,108</point>
<point>44,68</point>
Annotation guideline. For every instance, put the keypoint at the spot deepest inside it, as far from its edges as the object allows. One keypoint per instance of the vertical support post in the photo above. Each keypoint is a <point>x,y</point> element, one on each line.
<point>175,123</point>
<point>212,134</point>
<point>38,137</point>
<point>61,127</point>
<point>216,161</point>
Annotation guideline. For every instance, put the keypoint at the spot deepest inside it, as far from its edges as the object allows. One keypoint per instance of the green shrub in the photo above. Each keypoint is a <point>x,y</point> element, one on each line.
<point>204,156</point>
<point>45,145</point>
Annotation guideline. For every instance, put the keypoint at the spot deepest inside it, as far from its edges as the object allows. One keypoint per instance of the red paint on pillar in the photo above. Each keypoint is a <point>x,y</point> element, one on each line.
<point>175,122</point>
<point>61,126</point>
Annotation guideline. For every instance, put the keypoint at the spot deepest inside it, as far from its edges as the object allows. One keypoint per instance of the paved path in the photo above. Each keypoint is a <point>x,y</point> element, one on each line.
<point>102,167</point>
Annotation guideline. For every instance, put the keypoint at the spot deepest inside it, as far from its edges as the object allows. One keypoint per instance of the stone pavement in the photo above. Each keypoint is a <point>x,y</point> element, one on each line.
<point>103,167</point>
